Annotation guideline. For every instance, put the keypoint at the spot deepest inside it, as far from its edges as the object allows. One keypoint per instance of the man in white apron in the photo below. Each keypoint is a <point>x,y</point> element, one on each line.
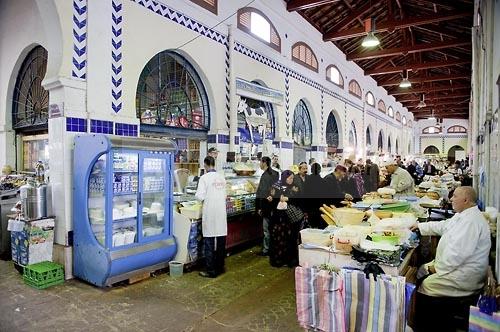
<point>212,192</point>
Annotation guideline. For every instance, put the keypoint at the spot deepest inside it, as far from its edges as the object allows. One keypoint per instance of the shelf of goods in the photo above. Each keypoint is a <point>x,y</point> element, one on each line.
<point>122,198</point>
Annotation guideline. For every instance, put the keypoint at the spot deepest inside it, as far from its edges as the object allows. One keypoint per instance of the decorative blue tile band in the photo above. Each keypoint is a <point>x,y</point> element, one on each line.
<point>286,145</point>
<point>318,148</point>
<point>236,140</point>
<point>116,55</point>
<point>223,139</point>
<point>125,129</point>
<point>211,138</point>
<point>101,127</point>
<point>79,61</point>
<point>182,19</point>
<point>76,124</point>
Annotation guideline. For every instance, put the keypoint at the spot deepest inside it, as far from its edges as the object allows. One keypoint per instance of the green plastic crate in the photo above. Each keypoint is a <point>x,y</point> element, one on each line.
<point>43,275</point>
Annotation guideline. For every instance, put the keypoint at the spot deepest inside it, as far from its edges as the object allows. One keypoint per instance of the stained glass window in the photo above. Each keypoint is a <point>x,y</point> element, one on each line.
<point>332,131</point>
<point>170,94</point>
<point>302,126</point>
<point>31,101</point>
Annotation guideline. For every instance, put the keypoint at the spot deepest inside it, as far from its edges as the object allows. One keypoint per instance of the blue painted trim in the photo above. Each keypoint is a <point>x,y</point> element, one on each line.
<point>286,145</point>
<point>76,125</point>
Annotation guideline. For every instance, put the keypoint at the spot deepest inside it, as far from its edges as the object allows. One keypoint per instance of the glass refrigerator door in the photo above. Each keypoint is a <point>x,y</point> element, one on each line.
<point>153,196</point>
<point>97,199</point>
<point>125,193</point>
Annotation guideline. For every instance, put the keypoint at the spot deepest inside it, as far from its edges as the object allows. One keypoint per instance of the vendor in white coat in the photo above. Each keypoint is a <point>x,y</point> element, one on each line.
<point>212,192</point>
<point>459,270</point>
<point>401,180</point>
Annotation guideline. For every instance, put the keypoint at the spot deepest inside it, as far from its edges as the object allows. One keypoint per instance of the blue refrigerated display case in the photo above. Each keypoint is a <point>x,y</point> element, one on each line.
<point>122,207</point>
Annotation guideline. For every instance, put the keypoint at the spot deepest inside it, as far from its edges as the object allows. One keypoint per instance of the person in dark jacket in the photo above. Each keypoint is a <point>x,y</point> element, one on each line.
<point>430,169</point>
<point>372,176</point>
<point>263,199</point>
<point>336,186</point>
<point>315,195</point>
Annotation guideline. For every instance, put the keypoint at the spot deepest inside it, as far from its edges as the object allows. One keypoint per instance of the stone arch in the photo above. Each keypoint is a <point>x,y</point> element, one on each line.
<point>452,150</point>
<point>431,149</point>
<point>334,115</point>
<point>369,139</point>
<point>380,141</point>
<point>314,118</point>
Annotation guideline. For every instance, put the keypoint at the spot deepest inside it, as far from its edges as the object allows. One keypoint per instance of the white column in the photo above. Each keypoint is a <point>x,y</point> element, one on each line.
<point>233,116</point>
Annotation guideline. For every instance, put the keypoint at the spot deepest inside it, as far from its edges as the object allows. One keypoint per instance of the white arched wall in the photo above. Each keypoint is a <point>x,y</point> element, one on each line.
<point>340,126</point>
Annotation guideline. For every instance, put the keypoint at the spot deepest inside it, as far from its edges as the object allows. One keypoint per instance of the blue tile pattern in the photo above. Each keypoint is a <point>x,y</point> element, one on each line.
<point>182,143</point>
<point>101,127</point>
<point>76,124</point>
<point>211,138</point>
<point>223,139</point>
<point>116,55</point>
<point>286,145</point>
<point>79,60</point>
<point>318,148</point>
<point>125,129</point>
<point>182,19</point>
<point>287,104</point>
<point>236,140</point>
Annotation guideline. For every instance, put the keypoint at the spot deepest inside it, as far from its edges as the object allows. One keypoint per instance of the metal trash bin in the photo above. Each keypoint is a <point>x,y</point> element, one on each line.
<point>7,201</point>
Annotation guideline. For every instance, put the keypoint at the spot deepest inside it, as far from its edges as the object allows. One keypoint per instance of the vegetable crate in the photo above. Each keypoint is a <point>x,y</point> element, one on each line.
<point>43,275</point>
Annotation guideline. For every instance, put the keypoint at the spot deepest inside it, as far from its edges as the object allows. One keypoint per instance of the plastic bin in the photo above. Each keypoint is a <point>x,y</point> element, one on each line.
<point>176,268</point>
<point>43,275</point>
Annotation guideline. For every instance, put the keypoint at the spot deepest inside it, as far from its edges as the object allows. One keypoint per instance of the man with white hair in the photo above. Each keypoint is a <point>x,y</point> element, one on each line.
<point>457,274</point>
<point>401,180</point>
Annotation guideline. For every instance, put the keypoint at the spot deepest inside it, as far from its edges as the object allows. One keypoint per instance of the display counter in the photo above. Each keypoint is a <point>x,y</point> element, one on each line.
<point>242,224</point>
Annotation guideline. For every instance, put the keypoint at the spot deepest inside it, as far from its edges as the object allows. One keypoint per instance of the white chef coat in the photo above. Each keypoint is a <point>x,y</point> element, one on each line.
<point>461,261</point>
<point>212,191</point>
<point>402,182</point>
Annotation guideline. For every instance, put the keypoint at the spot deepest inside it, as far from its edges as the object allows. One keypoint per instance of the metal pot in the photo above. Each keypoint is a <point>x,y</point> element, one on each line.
<point>34,201</point>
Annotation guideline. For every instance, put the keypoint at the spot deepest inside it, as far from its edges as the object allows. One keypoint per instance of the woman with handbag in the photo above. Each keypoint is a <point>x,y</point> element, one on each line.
<point>285,222</point>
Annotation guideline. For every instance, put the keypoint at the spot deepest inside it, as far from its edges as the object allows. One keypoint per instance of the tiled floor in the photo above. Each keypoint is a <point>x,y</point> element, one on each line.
<point>250,296</point>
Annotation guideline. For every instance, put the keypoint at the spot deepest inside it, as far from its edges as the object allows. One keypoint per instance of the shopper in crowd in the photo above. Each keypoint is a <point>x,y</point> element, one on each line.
<point>415,171</point>
<point>275,163</point>
<point>372,176</point>
<point>283,231</point>
<point>336,189</point>
<point>263,199</point>
<point>361,165</point>
<point>401,180</point>
<point>454,279</point>
<point>300,179</point>
<point>429,169</point>
<point>315,192</point>
<point>212,192</point>
<point>399,162</point>
<point>354,182</point>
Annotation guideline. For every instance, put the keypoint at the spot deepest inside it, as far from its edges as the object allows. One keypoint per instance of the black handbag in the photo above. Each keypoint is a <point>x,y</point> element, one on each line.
<point>294,213</point>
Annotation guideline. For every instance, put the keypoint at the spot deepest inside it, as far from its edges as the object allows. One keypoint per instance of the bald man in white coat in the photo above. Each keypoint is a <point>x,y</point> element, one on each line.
<point>459,271</point>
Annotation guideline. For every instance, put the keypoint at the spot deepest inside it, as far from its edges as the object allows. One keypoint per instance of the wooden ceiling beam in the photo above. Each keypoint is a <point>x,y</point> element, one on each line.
<point>406,50</point>
<point>436,102</point>
<point>433,97</point>
<point>419,80</point>
<point>390,26</point>
<point>416,66</point>
<point>295,5</point>
<point>353,16</point>
<point>401,91</point>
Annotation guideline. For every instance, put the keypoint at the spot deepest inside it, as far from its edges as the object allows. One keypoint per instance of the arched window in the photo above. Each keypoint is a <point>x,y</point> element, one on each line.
<point>398,116</point>
<point>370,100</point>
<point>332,131</point>
<point>353,137</point>
<point>170,94</point>
<point>303,54</point>
<point>457,129</point>
<point>333,75</point>
<point>380,141</point>
<point>397,146</point>
<point>302,125</point>
<point>389,145</point>
<point>381,106</point>
<point>368,137</point>
<point>410,123</point>
<point>390,112</point>
<point>30,102</point>
<point>431,130</point>
<point>431,149</point>
<point>210,5</point>
<point>404,121</point>
<point>256,23</point>
<point>354,88</point>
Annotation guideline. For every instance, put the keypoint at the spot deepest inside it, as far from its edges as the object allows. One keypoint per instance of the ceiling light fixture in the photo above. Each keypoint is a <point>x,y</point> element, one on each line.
<point>370,39</point>
<point>422,103</point>
<point>405,83</point>
<point>432,118</point>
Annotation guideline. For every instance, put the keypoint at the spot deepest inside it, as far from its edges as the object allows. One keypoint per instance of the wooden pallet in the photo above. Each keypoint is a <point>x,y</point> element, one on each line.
<point>138,277</point>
